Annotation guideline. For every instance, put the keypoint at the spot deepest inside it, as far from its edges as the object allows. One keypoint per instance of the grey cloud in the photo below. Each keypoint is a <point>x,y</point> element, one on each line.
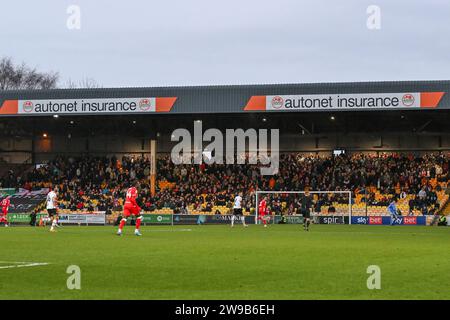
<point>175,42</point>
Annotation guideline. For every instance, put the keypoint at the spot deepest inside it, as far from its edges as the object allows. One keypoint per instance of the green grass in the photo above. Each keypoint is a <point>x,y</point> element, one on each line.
<point>217,262</point>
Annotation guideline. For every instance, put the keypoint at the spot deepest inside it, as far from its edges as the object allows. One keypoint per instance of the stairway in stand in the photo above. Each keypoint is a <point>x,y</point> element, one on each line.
<point>446,209</point>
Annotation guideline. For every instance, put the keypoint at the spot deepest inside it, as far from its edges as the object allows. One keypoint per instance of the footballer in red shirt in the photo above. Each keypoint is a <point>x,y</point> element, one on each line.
<point>131,207</point>
<point>4,214</point>
<point>262,211</point>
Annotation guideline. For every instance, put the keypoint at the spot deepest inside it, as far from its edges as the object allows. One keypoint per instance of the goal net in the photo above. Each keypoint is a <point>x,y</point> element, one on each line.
<point>325,207</point>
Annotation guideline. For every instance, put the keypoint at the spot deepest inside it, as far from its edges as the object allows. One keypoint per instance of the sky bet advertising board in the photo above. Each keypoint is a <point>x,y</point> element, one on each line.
<point>386,220</point>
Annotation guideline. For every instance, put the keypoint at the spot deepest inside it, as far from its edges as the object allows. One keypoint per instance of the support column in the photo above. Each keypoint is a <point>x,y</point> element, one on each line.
<point>152,167</point>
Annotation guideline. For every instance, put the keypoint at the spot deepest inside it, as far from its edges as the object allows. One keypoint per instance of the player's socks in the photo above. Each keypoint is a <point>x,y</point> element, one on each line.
<point>52,226</point>
<point>232,220</point>
<point>121,225</point>
<point>138,225</point>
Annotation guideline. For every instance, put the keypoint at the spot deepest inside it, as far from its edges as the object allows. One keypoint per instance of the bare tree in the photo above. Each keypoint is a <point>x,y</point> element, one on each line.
<point>17,77</point>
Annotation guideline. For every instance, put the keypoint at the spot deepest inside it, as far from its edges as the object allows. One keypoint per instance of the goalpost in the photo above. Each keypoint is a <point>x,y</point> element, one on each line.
<point>341,209</point>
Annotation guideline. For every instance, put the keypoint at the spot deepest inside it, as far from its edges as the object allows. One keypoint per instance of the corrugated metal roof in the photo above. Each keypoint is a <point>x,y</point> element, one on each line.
<point>231,98</point>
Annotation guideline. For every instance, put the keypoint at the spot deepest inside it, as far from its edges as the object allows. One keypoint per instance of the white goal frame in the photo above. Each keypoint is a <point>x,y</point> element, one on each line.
<point>349,193</point>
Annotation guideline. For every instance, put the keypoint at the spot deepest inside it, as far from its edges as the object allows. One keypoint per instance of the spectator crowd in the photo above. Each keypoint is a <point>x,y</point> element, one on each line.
<point>100,183</point>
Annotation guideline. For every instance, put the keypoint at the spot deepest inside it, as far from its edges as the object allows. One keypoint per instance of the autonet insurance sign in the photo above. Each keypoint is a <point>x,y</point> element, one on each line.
<point>333,102</point>
<point>88,106</point>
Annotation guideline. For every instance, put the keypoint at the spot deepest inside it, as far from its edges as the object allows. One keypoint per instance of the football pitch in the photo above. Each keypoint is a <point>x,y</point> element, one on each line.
<point>218,262</point>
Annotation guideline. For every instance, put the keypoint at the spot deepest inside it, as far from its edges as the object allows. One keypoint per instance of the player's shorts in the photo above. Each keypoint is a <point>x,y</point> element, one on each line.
<point>5,211</point>
<point>51,212</point>
<point>237,211</point>
<point>128,211</point>
<point>305,213</point>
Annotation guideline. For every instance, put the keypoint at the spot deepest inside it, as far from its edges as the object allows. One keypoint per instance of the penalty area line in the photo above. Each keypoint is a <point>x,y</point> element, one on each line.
<point>22,264</point>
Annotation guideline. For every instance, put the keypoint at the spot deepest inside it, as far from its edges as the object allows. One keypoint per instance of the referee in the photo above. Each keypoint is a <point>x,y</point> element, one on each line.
<point>305,209</point>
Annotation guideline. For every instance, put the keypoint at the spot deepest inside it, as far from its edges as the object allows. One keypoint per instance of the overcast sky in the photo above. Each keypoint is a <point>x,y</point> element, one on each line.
<point>201,42</point>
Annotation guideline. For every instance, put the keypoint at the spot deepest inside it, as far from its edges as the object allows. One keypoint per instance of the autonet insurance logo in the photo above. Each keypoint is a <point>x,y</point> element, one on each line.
<point>408,100</point>
<point>145,104</point>
<point>27,106</point>
<point>277,102</point>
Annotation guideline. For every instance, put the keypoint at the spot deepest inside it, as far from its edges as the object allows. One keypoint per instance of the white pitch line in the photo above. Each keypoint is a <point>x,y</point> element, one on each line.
<point>177,230</point>
<point>22,264</point>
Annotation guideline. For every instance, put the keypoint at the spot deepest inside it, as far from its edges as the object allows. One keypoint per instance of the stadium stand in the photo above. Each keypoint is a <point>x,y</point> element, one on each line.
<point>88,184</point>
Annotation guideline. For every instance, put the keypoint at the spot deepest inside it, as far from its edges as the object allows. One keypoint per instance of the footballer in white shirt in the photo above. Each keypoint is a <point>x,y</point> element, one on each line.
<point>51,209</point>
<point>237,210</point>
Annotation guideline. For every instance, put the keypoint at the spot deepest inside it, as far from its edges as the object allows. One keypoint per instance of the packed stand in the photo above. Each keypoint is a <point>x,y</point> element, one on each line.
<point>99,183</point>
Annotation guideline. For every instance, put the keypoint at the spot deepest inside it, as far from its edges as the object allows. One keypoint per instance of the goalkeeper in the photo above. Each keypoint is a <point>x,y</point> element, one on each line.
<point>392,210</point>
